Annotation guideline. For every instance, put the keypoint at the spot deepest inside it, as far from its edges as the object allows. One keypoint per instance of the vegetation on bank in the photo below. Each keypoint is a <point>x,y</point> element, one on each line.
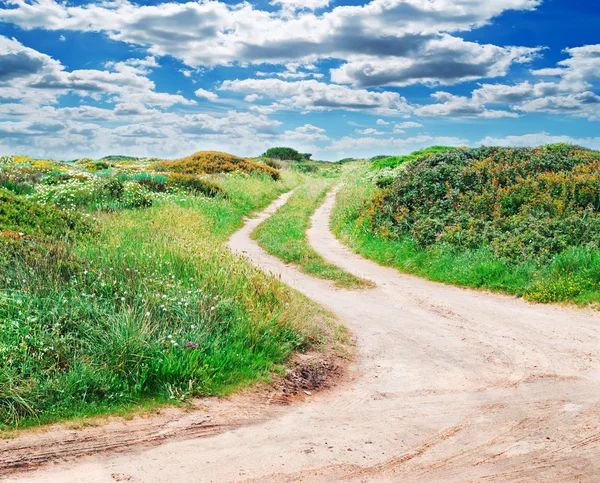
<point>210,162</point>
<point>520,221</point>
<point>284,234</point>
<point>382,162</point>
<point>115,290</point>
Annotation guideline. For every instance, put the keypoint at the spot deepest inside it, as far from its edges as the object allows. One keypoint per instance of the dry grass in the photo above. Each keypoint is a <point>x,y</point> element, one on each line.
<point>210,162</point>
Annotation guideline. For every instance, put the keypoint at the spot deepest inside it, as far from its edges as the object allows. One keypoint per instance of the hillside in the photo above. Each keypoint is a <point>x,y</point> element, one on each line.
<point>525,221</point>
<point>116,293</point>
<point>210,162</point>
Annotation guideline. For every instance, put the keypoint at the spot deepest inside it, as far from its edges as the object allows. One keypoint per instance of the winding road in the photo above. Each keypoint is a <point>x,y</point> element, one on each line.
<point>452,385</point>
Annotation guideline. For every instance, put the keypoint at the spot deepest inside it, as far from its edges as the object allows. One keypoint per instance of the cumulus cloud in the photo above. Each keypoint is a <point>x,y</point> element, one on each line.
<point>446,60</point>
<point>312,95</point>
<point>369,132</point>
<point>583,65</point>
<point>204,94</point>
<point>308,132</point>
<point>31,76</point>
<point>582,104</point>
<point>407,125</point>
<point>383,42</point>
<point>459,106</point>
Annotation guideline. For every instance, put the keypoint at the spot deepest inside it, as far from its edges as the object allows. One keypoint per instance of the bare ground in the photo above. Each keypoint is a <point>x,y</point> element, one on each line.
<point>452,385</point>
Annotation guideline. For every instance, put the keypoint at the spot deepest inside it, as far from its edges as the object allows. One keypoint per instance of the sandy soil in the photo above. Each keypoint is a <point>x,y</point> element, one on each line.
<point>453,385</point>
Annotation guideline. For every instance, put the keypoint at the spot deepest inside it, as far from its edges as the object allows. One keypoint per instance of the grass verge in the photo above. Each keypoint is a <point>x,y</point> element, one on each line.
<point>565,278</point>
<point>284,234</point>
<point>147,309</point>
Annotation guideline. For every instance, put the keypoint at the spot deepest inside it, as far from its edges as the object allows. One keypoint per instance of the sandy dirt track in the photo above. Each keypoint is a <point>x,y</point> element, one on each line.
<point>453,385</point>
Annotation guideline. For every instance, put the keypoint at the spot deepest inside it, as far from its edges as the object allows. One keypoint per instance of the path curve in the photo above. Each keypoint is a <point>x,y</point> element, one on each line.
<point>455,385</point>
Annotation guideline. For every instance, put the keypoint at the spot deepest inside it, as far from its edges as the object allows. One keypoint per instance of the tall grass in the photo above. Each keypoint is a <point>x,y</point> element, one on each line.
<point>284,234</point>
<point>150,307</point>
<point>572,276</point>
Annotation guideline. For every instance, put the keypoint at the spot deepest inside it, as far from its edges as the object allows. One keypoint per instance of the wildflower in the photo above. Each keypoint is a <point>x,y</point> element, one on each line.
<point>212,308</point>
<point>190,344</point>
<point>169,336</point>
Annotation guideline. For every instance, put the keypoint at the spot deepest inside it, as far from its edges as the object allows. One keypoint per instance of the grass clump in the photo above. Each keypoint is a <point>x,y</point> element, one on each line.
<point>210,162</point>
<point>284,234</point>
<point>522,221</point>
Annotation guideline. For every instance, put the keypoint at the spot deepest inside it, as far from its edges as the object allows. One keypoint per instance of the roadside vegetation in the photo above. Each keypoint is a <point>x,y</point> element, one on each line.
<point>116,292</point>
<point>519,221</point>
<point>284,234</point>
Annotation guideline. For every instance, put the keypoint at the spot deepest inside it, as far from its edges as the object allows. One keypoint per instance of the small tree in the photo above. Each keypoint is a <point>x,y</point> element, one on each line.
<point>283,153</point>
<point>305,156</point>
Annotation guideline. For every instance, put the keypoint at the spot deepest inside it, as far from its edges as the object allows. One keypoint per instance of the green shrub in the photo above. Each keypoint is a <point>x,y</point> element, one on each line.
<point>283,153</point>
<point>523,203</point>
<point>303,167</point>
<point>154,183</point>
<point>19,215</point>
<point>195,184</point>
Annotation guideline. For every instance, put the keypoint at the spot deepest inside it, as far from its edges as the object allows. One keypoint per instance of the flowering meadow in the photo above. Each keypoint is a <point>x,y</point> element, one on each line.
<point>116,291</point>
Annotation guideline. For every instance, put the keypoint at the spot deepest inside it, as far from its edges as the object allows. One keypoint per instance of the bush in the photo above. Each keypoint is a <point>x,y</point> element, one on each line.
<point>523,203</point>
<point>209,162</point>
<point>21,217</point>
<point>305,167</point>
<point>275,163</point>
<point>283,153</point>
<point>195,184</point>
<point>154,183</point>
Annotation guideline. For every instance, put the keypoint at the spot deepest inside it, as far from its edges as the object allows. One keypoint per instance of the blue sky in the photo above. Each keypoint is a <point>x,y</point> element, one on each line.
<point>334,78</point>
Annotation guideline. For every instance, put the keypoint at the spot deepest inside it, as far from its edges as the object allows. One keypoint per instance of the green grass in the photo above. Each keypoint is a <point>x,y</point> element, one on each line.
<point>382,162</point>
<point>145,309</point>
<point>570,277</point>
<point>284,234</point>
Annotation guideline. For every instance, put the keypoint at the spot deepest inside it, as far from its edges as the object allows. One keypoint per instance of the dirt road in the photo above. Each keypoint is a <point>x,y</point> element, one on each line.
<point>454,385</point>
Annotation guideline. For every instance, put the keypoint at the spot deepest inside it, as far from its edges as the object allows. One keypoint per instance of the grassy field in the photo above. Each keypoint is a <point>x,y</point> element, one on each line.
<point>284,234</point>
<point>542,256</point>
<point>114,296</point>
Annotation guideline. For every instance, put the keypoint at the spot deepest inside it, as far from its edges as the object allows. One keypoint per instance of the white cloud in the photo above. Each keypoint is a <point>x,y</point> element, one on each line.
<point>308,132</point>
<point>381,122</point>
<point>583,65</point>
<point>311,95</point>
<point>30,76</point>
<point>383,42</point>
<point>539,139</point>
<point>459,106</point>
<point>582,104</point>
<point>439,61</point>
<point>204,94</point>
<point>369,132</point>
<point>301,4</point>
<point>407,125</point>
